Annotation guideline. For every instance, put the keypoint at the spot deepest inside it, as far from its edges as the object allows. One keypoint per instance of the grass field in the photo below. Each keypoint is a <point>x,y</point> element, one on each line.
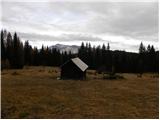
<point>35,92</point>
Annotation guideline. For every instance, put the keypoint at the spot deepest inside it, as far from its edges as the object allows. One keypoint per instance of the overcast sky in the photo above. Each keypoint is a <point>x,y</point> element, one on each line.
<point>123,24</point>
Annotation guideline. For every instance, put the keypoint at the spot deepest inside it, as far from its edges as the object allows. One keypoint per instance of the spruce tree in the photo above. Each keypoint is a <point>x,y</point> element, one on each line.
<point>3,49</point>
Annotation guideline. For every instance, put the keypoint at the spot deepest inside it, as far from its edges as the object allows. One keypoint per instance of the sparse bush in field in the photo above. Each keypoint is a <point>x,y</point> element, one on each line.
<point>23,115</point>
<point>50,71</point>
<point>119,77</point>
<point>113,76</point>
<point>139,75</point>
<point>41,70</point>
<point>7,111</point>
<point>95,73</point>
<point>94,78</point>
<point>26,67</point>
<point>109,77</point>
<point>15,73</point>
<point>154,76</point>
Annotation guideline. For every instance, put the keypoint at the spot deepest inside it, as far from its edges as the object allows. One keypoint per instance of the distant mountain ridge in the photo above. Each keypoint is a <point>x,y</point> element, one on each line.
<point>67,48</point>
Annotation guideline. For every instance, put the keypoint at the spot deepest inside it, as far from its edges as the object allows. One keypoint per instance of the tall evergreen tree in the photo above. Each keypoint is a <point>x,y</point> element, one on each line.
<point>148,48</point>
<point>108,59</point>
<point>152,55</point>
<point>103,55</point>
<point>141,61</point>
<point>18,54</point>
<point>36,60</point>
<point>3,49</point>
<point>98,57</point>
<point>27,53</point>
<point>9,48</point>
<point>81,52</point>
<point>142,48</point>
<point>42,55</point>
<point>108,47</point>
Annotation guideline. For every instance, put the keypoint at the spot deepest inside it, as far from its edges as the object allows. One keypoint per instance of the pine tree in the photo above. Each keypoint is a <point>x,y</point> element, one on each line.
<point>148,48</point>
<point>3,49</point>
<point>103,55</point>
<point>142,48</point>
<point>152,55</point>
<point>9,48</point>
<point>108,59</point>
<point>90,56</point>
<point>27,53</point>
<point>141,61</point>
<point>18,53</point>
<point>42,55</point>
<point>36,60</point>
<point>108,47</point>
<point>81,52</point>
<point>98,57</point>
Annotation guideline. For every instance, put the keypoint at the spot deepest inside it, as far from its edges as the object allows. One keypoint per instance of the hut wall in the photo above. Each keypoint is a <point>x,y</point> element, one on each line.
<point>70,70</point>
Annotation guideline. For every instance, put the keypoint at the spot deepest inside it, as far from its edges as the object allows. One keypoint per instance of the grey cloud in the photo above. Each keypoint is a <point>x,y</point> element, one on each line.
<point>60,38</point>
<point>134,20</point>
<point>125,19</point>
<point>37,38</point>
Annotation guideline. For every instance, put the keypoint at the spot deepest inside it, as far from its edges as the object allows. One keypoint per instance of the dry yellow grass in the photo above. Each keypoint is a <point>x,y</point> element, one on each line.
<point>35,92</point>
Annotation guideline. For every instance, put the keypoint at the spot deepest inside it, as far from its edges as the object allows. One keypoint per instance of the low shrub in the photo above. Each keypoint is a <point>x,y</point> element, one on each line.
<point>112,76</point>
<point>23,115</point>
<point>15,73</point>
<point>41,70</point>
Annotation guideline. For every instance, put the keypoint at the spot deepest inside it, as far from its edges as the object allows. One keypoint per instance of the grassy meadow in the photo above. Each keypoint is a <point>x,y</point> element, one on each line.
<point>35,92</point>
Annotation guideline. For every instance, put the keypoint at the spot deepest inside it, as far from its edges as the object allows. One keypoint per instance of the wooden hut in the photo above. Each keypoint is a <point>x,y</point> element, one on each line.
<point>73,69</point>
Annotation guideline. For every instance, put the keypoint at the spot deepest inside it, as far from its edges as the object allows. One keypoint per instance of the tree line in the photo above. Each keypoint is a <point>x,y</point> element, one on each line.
<point>102,58</point>
<point>15,55</point>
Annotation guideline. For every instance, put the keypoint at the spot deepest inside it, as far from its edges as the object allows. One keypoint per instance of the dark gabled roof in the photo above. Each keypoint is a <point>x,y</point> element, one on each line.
<point>79,63</point>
